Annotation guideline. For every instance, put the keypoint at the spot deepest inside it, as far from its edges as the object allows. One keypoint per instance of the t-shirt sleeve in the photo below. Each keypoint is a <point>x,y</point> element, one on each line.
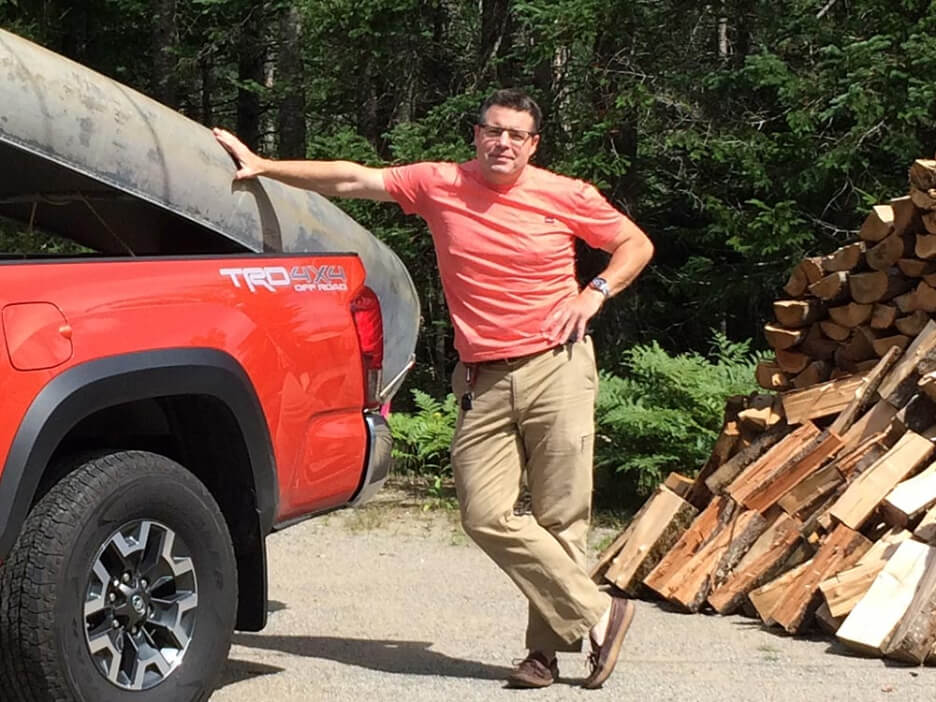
<point>408,184</point>
<point>597,221</point>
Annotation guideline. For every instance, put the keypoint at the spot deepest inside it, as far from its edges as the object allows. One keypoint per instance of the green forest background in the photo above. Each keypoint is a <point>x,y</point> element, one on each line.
<point>741,135</point>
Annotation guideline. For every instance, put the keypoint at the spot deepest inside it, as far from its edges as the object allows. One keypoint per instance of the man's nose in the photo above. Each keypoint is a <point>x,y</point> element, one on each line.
<point>504,138</point>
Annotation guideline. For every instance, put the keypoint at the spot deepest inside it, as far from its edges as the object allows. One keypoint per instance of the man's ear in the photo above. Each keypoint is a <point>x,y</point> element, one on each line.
<point>534,143</point>
<point>475,130</point>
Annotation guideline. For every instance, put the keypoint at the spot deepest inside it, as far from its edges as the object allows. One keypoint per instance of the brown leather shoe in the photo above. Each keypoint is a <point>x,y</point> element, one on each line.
<point>534,671</point>
<point>603,657</point>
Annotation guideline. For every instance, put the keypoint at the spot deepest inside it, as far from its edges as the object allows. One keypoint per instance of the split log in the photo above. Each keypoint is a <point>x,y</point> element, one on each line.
<point>768,492</point>
<point>821,400</point>
<point>772,460</point>
<point>850,315</point>
<point>845,589</point>
<point>925,246</point>
<point>759,565</point>
<point>885,343</point>
<point>872,423</point>
<point>815,372</point>
<point>766,597</point>
<point>869,385</point>
<point>878,224</point>
<point>797,313</point>
<point>906,215</point>
<point>914,640</point>
<point>912,324</point>
<point>867,287</point>
<point>806,272</point>
<point>678,483</point>
<point>924,297</point>
<point>780,338</point>
<point>826,622</point>
<point>910,498</point>
<point>690,586</point>
<point>915,268</point>
<point>834,331</point>
<point>841,549</point>
<point>893,387</point>
<point>883,316</point>
<point>705,527</point>
<point>810,491</point>
<point>867,490</point>
<point>923,199</point>
<point>856,349</point>
<point>926,529</point>
<point>816,346</point>
<point>725,445</point>
<point>762,415</point>
<point>792,361</point>
<point>730,469</point>
<point>844,259</point>
<point>929,222</point>
<point>831,288</point>
<point>919,415</point>
<point>923,174</point>
<point>907,302</point>
<point>887,252</point>
<point>927,385</point>
<point>770,377</point>
<point>872,624</point>
<point>653,531</point>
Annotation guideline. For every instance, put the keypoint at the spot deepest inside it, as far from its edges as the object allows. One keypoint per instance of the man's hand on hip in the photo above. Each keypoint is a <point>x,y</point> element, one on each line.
<point>568,321</point>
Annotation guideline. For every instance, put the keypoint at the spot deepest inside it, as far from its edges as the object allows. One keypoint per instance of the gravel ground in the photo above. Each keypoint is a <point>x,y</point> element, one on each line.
<point>391,602</point>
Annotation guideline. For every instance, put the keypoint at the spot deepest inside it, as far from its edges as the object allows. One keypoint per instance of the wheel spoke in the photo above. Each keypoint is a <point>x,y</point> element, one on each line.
<point>170,616</point>
<point>103,646</point>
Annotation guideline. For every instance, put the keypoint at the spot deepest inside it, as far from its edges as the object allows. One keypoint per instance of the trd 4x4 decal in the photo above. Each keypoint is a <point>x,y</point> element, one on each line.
<point>300,278</point>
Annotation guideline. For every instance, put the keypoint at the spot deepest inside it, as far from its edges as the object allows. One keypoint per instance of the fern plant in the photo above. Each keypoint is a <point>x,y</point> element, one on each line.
<point>664,414</point>
<point>421,439</point>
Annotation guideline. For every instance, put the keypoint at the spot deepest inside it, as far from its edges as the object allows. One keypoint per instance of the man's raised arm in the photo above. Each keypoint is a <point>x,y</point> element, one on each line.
<point>330,178</point>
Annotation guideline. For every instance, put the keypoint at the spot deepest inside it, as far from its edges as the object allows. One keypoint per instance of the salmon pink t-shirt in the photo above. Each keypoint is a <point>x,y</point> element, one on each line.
<point>506,255</point>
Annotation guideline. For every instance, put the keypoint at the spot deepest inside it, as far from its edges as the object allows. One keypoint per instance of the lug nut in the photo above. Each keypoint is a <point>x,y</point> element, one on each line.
<point>126,577</point>
<point>115,624</point>
<point>144,583</point>
<point>115,582</point>
<point>111,597</point>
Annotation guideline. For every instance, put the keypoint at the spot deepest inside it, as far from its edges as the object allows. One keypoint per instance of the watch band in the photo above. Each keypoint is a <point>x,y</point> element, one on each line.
<point>601,285</point>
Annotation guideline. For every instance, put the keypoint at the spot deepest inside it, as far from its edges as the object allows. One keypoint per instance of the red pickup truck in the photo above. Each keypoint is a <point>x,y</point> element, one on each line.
<point>212,369</point>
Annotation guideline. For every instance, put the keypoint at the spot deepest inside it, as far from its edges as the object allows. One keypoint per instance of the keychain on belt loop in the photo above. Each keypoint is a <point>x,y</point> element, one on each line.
<point>471,375</point>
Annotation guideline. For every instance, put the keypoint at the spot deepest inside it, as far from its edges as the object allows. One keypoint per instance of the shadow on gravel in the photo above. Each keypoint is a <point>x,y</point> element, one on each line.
<point>236,670</point>
<point>403,657</point>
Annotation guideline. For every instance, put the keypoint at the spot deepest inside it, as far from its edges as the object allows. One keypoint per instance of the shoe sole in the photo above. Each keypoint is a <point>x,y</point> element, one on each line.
<point>615,650</point>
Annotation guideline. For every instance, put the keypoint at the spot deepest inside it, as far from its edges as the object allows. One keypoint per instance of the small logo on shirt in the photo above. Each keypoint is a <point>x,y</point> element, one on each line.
<point>550,220</point>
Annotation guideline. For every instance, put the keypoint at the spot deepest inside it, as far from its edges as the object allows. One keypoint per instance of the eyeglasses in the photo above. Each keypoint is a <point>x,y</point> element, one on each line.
<point>516,136</point>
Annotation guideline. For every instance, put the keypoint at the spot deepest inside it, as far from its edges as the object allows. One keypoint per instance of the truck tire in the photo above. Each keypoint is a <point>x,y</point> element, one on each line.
<point>122,572</point>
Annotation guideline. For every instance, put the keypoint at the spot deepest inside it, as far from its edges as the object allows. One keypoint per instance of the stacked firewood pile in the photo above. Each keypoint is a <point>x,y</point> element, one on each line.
<point>846,309</point>
<point>818,504</point>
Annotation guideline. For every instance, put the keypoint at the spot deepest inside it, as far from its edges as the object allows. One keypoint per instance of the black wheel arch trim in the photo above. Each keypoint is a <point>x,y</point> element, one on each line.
<point>96,385</point>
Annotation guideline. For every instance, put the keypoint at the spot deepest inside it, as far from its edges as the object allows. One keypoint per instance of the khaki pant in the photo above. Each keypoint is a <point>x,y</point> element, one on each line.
<point>534,415</point>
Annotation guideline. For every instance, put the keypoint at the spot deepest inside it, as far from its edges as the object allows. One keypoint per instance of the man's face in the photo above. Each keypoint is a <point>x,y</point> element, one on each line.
<point>504,143</point>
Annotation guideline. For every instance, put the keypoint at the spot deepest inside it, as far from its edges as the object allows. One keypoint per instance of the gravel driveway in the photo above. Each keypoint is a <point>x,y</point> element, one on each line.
<point>391,602</point>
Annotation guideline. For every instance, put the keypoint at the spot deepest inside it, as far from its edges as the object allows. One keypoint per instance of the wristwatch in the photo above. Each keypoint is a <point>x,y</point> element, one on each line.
<point>601,285</point>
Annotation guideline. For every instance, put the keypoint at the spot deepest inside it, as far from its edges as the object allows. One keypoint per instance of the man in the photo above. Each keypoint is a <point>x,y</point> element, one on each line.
<point>504,238</point>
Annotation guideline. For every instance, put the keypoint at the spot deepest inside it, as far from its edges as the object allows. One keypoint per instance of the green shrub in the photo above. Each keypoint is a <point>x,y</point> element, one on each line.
<point>421,439</point>
<point>664,414</point>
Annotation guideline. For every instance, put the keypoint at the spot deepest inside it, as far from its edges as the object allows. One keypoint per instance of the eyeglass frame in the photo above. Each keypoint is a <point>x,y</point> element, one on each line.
<point>510,133</point>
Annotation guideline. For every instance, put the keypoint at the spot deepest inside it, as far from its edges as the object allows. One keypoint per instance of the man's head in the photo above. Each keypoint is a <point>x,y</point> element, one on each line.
<point>506,135</point>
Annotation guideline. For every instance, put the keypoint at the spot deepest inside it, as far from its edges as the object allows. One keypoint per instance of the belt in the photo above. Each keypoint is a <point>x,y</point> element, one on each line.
<point>516,360</point>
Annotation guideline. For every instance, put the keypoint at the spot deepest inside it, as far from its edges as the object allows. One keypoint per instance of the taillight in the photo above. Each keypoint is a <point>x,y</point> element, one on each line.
<point>368,322</point>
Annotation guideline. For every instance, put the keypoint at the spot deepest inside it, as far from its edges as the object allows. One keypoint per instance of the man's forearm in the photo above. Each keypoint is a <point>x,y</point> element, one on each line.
<point>628,259</point>
<point>325,177</point>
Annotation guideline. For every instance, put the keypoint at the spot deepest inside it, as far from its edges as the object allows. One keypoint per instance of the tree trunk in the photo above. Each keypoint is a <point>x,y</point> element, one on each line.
<point>165,84</point>
<point>291,123</point>
<point>250,65</point>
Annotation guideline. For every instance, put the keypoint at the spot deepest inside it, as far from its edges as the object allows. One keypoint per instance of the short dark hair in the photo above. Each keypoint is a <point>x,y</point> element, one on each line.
<point>515,100</point>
